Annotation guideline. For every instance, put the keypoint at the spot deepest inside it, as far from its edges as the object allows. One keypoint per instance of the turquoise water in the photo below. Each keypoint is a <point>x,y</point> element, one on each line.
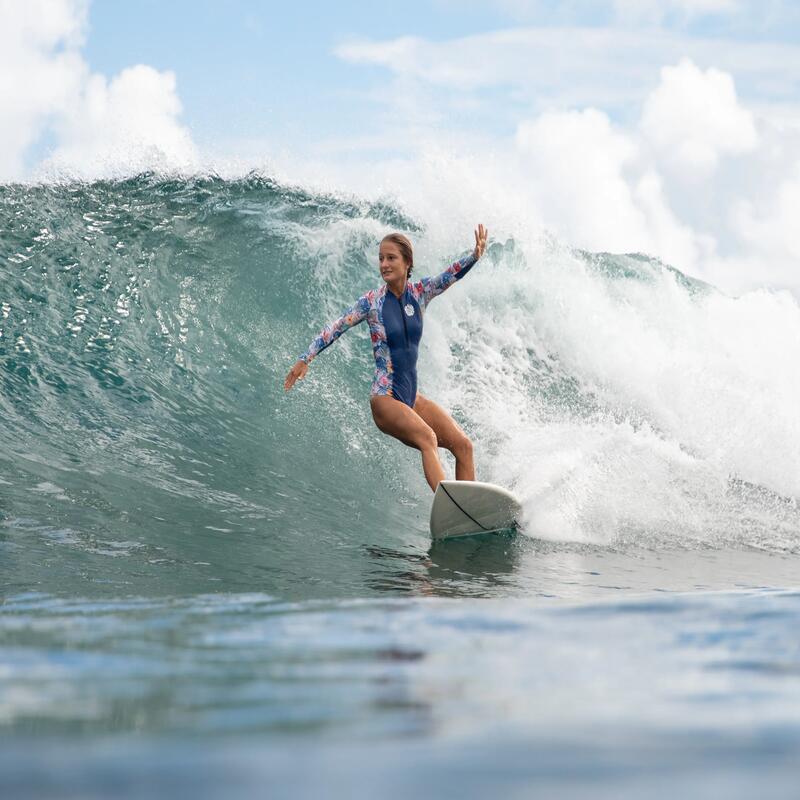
<point>208,583</point>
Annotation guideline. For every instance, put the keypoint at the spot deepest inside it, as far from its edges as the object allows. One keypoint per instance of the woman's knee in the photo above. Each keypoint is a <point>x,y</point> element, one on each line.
<point>462,447</point>
<point>426,439</point>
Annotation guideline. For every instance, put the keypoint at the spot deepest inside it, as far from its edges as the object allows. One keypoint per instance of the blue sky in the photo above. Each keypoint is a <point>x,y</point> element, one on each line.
<point>270,70</point>
<point>265,69</point>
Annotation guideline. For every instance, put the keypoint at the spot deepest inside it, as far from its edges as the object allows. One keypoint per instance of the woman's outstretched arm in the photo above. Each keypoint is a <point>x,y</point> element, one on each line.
<point>327,336</point>
<point>436,284</point>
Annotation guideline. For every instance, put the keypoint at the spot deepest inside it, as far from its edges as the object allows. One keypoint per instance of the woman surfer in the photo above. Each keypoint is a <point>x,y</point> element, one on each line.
<point>394,314</point>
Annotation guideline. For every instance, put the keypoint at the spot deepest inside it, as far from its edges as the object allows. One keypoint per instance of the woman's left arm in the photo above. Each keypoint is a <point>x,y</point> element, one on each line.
<point>435,285</point>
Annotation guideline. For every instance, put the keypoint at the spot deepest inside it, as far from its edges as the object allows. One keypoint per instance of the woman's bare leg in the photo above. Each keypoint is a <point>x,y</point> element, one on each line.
<point>449,436</point>
<point>398,420</point>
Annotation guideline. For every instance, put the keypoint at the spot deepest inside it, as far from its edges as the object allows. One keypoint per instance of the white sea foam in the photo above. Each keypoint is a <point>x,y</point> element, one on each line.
<point>617,397</point>
<point>623,402</point>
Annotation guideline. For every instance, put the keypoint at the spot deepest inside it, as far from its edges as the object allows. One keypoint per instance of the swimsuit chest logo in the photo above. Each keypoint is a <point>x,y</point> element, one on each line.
<point>409,309</point>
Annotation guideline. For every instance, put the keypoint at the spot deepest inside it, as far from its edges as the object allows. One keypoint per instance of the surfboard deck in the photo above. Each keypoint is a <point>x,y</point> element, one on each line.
<point>466,508</point>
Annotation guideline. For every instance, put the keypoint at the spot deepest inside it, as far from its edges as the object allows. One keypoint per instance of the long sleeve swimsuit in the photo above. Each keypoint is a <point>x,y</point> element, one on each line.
<point>395,326</point>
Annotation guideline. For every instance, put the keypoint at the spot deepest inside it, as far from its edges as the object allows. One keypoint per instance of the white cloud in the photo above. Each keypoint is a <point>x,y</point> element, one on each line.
<point>46,88</point>
<point>595,189</point>
<point>568,67</point>
<point>693,118</point>
<point>41,71</point>
<point>576,161</point>
<point>672,240</point>
<point>123,126</point>
<point>772,228</point>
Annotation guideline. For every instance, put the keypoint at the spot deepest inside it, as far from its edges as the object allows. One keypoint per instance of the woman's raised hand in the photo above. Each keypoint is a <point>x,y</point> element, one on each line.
<point>297,372</point>
<point>481,235</point>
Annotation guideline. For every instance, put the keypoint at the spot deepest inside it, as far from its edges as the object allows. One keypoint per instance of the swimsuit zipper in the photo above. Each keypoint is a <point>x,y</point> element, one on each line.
<point>403,315</point>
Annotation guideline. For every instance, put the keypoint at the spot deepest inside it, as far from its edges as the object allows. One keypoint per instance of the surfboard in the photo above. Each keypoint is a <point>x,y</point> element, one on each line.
<point>464,508</point>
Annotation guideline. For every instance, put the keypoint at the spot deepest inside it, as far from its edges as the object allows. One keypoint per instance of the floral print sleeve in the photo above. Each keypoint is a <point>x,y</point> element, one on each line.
<point>431,287</point>
<point>330,333</point>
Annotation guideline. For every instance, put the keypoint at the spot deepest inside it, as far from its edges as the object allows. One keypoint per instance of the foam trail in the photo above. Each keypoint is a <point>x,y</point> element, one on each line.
<point>619,396</point>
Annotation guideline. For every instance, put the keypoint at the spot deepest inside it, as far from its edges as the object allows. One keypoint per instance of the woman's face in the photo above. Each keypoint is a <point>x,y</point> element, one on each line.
<point>391,262</point>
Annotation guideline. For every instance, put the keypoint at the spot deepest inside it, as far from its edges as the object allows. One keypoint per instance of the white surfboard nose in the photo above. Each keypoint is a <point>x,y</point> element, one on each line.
<point>462,508</point>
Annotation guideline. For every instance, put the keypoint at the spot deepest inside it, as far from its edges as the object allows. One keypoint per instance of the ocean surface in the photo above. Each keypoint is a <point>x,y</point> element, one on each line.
<point>212,588</point>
